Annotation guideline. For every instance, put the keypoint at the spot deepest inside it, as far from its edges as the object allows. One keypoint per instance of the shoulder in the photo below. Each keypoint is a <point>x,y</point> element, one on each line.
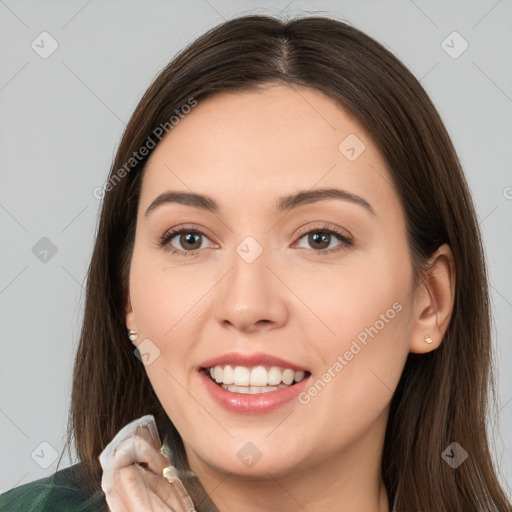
<point>76,488</point>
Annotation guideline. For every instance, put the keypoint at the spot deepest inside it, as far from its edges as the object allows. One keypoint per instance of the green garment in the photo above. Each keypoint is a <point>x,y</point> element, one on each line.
<point>66,490</point>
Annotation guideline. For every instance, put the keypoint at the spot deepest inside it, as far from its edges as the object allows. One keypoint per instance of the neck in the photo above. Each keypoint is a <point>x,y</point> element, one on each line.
<point>348,480</point>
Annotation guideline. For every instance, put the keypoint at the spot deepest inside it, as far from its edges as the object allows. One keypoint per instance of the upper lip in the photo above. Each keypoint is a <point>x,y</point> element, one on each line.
<point>250,360</point>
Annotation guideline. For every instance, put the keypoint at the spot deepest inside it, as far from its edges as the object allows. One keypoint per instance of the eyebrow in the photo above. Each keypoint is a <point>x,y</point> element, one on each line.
<point>284,204</point>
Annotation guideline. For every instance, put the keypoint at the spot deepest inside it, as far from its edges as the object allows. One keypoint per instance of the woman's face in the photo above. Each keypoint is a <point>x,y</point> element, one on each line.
<point>322,283</point>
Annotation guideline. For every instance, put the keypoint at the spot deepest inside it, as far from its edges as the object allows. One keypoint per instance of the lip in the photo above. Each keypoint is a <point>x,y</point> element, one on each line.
<point>250,360</point>
<point>260,403</point>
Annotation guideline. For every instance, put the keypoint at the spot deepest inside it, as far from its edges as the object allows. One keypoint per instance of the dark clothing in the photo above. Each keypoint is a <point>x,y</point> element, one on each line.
<point>73,489</point>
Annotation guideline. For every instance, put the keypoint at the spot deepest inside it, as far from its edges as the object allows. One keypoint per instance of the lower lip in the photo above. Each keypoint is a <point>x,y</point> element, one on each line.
<point>260,403</point>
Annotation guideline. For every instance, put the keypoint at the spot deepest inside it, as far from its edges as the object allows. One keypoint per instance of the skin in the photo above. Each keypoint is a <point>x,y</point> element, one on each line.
<point>245,150</point>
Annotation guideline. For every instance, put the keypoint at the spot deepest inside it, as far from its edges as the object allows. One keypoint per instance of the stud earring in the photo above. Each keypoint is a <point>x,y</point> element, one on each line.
<point>428,339</point>
<point>132,335</point>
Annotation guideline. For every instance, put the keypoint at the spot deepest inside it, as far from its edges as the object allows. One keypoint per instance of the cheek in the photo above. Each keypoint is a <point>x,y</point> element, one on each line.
<point>370,343</point>
<point>166,300</point>
<point>370,311</point>
<point>363,365</point>
<point>370,291</point>
<point>170,304</point>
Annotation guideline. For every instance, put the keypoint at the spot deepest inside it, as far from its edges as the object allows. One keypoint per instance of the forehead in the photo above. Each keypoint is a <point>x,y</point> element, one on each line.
<point>251,145</point>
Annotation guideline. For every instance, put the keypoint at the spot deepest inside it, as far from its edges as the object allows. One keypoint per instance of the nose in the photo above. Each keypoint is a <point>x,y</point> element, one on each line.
<point>251,298</point>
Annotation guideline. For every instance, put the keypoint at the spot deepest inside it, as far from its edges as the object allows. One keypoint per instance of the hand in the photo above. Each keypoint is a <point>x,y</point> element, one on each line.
<point>132,472</point>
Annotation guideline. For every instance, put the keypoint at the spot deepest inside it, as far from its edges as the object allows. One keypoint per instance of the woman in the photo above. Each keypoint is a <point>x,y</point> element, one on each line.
<point>289,239</point>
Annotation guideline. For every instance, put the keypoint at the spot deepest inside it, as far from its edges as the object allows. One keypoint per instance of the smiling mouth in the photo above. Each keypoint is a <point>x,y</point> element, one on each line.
<point>254,380</point>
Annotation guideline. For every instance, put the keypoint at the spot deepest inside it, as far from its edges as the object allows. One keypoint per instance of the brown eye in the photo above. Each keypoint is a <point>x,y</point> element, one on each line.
<point>319,239</point>
<point>189,240</point>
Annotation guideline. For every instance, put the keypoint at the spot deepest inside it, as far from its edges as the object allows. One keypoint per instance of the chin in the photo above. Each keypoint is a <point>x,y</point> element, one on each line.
<point>251,462</point>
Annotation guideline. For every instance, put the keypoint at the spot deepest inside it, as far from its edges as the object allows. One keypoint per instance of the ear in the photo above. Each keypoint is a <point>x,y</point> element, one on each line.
<point>434,301</point>
<point>130,315</point>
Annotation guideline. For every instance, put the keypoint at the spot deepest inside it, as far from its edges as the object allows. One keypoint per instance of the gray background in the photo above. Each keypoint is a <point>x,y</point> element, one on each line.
<point>62,118</point>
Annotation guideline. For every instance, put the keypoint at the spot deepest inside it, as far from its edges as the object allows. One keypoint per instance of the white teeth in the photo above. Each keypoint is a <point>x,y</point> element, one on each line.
<point>299,375</point>
<point>252,390</point>
<point>241,376</point>
<point>255,377</point>
<point>258,376</point>
<point>229,375</point>
<point>288,376</point>
<point>274,376</point>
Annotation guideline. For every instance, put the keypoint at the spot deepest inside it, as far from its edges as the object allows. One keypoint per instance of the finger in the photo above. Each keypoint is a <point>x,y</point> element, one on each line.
<point>136,488</point>
<point>117,501</point>
<point>140,448</point>
<point>133,450</point>
<point>148,421</point>
<point>127,431</point>
<point>132,490</point>
<point>173,495</point>
<point>150,433</point>
<point>151,425</point>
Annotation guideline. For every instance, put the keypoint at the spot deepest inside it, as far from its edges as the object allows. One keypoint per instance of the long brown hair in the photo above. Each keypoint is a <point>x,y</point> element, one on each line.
<point>443,395</point>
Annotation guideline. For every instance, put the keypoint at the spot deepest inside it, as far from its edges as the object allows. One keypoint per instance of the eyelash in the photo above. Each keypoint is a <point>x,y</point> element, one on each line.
<point>346,241</point>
